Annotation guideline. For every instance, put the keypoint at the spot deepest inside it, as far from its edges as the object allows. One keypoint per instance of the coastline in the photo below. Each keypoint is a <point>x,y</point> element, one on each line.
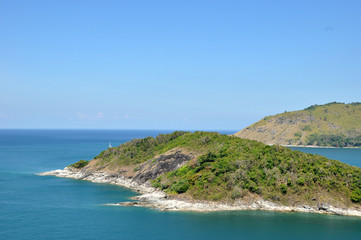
<point>153,198</point>
<point>314,146</point>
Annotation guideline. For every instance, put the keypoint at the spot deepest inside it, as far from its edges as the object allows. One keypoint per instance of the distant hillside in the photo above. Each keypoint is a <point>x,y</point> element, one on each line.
<point>333,124</point>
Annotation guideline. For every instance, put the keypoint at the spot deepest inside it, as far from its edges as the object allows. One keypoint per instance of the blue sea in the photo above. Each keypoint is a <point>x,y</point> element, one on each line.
<point>46,207</point>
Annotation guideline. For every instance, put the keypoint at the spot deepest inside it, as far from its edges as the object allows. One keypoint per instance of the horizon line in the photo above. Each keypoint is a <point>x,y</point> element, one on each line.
<point>112,129</point>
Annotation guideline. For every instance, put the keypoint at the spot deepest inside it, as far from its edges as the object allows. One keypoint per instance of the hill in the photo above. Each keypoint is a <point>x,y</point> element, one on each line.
<point>333,124</point>
<point>204,166</point>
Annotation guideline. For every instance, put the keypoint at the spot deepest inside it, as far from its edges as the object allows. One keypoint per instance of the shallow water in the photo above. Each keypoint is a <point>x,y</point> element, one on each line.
<point>35,207</point>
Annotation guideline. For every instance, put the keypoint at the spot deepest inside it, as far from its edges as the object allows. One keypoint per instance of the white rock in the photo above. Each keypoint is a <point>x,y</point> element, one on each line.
<point>154,198</point>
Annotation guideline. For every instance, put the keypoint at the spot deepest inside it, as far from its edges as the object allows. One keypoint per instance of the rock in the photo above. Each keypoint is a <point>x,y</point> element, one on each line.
<point>164,163</point>
<point>128,203</point>
<point>157,199</point>
<point>323,206</point>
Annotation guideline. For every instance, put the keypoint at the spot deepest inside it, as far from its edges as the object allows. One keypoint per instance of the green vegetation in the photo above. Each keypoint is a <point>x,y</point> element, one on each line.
<point>333,140</point>
<point>314,107</point>
<point>356,196</point>
<point>332,124</point>
<point>79,164</point>
<point>274,172</point>
<point>181,186</point>
<point>298,135</point>
<point>228,168</point>
<point>307,128</point>
<point>283,188</point>
<point>137,150</point>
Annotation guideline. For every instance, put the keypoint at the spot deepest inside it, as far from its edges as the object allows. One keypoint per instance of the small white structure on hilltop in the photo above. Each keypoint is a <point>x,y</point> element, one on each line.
<point>110,145</point>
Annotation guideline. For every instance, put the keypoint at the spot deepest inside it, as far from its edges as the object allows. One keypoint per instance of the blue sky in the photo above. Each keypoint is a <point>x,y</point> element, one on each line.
<point>173,64</point>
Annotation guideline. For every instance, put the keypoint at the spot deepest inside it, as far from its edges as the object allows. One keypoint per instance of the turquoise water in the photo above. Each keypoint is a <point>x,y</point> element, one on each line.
<point>35,207</point>
<point>350,156</point>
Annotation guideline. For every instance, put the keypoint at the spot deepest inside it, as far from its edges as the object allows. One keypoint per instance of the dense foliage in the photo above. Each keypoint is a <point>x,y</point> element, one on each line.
<point>333,140</point>
<point>137,150</point>
<point>232,167</point>
<point>229,168</point>
<point>79,164</point>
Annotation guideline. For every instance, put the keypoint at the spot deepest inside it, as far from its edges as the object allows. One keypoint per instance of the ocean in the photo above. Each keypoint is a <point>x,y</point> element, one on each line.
<point>46,207</point>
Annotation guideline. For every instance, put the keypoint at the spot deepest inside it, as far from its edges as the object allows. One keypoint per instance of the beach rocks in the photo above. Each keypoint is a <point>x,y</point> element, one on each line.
<point>150,197</point>
<point>323,206</point>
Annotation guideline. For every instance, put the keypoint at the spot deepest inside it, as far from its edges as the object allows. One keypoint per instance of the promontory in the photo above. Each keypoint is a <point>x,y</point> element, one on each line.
<point>207,171</point>
<point>330,125</point>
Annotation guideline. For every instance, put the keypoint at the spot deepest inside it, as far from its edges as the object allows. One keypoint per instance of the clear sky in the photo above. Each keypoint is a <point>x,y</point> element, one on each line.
<point>173,64</point>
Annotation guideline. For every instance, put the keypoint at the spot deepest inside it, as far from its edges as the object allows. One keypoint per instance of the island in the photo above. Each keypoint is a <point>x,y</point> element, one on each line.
<point>329,125</point>
<point>208,171</point>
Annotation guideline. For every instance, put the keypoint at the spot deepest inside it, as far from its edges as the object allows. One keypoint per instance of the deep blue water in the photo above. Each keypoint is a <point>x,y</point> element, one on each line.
<point>35,207</point>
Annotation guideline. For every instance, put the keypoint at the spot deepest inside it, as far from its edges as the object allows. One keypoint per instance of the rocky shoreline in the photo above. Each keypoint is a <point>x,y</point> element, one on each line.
<point>151,197</point>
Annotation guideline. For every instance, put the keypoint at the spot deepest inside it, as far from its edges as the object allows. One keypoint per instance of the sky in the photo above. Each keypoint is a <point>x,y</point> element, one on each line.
<point>186,65</point>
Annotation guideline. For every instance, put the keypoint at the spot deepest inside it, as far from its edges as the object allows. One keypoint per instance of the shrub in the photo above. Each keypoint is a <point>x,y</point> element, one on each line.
<point>289,182</point>
<point>253,187</point>
<point>283,188</point>
<point>301,181</point>
<point>79,164</point>
<point>298,134</point>
<point>307,128</point>
<point>333,140</point>
<point>356,196</point>
<point>181,186</point>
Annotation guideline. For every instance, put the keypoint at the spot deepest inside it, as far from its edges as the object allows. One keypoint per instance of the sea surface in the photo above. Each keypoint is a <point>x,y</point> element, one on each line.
<point>46,207</point>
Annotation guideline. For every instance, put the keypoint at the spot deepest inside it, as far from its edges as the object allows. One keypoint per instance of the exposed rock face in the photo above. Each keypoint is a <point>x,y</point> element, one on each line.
<point>301,118</point>
<point>164,163</point>
<point>278,130</point>
<point>144,173</point>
